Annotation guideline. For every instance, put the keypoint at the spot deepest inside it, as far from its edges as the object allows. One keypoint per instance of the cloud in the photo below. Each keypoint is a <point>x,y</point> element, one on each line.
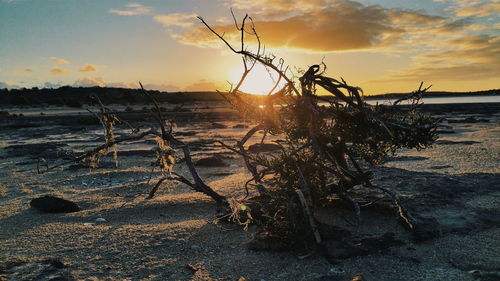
<point>58,60</point>
<point>281,5</point>
<point>181,20</point>
<point>465,57</point>
<point>23,72</point>
<point>162,87</point>
<point>221,20</point>
<point>90,82</point>
<point>202,85</point>
<point>344,25</point>
<point>99,81</point>
<point>479,9</point>
<point>50,85</point>
<point>89,68</point>
<point>473,8</point>
<point>122,85</point>
<point>8,85</point>
<point>134,9</point>
<point>56,70</point>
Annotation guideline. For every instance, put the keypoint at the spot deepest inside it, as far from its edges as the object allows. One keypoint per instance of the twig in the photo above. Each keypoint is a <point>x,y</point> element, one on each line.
<point>312,223</point>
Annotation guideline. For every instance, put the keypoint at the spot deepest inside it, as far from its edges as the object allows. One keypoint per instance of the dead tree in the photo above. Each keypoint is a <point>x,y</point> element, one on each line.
<point>328,144</point>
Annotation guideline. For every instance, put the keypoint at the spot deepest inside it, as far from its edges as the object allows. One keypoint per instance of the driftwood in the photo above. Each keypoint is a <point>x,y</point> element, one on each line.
<point>327,139</point>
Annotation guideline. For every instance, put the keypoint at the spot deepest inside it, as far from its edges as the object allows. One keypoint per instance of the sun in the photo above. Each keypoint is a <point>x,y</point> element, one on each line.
<point>258,82</point>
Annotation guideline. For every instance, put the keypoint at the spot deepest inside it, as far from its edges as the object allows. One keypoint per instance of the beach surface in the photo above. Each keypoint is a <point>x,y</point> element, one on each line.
<point>175,235</point>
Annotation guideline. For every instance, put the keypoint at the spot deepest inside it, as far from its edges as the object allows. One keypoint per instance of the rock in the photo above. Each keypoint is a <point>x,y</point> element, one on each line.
<point>212,161</point>
<point>215,125</point>
<point>100,220</point>
<point>335,270</point>
<point>186,134</point>
<point>263,147</point>
<point>240,126</point>
<point>52,204</point>
<point>196,248</point>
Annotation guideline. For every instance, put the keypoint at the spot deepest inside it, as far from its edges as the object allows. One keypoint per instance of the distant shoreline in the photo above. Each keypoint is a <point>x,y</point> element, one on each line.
<point>79,96</point>
<point>439,94</point>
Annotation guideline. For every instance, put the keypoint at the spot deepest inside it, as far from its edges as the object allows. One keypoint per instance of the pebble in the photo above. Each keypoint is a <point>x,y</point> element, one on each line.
<point>89,223</point>
<point>100,220</point>
<point>337,270</point>
<point>195,248</point>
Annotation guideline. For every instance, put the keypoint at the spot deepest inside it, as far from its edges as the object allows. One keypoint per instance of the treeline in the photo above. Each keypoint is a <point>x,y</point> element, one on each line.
<point>79,96</point>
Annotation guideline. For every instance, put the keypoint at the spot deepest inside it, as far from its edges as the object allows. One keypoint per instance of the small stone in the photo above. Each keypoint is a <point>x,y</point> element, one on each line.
<point>212,161</point>
<point>240,126</point>
<point>263,147</point>
<point>100,220</point>
<point>334,270</point>
<point>196,248</point>
<point>88,223</point>
<point>215,125</point>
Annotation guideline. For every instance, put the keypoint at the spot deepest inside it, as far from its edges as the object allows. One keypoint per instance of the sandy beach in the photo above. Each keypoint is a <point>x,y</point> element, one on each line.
<point>175,235</point>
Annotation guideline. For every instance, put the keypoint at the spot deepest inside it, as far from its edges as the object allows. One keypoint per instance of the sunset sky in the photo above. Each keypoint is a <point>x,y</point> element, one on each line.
<point>379,45</point>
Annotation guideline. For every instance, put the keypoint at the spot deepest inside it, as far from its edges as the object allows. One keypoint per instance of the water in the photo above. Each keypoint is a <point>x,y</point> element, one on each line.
<point>444,100</point>
<point>53,110</point>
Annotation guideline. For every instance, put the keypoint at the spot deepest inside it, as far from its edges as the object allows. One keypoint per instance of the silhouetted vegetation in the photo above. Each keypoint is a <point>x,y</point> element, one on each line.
<point>79,96</point>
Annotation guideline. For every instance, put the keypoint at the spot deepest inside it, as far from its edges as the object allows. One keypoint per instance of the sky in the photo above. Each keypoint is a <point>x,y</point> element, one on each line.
<point>379,45</point>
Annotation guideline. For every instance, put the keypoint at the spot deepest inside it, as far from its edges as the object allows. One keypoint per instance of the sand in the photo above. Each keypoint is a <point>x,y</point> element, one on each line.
<point>175,236</point>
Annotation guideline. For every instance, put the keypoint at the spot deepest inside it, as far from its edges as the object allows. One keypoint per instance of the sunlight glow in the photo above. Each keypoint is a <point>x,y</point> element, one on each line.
<point>258,82</point>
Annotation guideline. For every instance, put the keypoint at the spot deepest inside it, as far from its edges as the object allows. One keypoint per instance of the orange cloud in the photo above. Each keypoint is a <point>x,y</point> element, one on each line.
<point>202,85</point>
<point>466,57</point>
<point>134,9</point>
<point>90,82</point>
<point>478,10</point>
<point>56,71</point>
<point>181,20</point>
<point>284,5</point>
<point>4,85</point>
<point>58,60</point>
<point>89,68</point>
<point>23,72</point>
<point>342,26</point>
